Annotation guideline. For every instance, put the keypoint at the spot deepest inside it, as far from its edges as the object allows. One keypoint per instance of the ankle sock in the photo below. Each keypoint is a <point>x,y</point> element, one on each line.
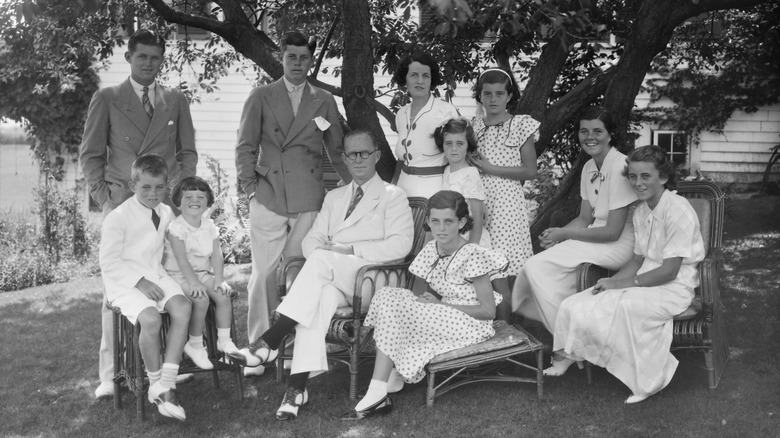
<point>196,341</point>
<point>223,334</point>
<point>377,390</point>
<point>169,373</point>
<point>154,376</point>
<point>274,335</point>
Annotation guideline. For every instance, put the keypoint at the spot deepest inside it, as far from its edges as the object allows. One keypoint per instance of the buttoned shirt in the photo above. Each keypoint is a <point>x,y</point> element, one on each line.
<point>139,90</point>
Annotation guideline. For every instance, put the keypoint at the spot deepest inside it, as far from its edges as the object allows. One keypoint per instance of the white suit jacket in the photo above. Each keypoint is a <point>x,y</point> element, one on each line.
<point>130,247</point>
<point>380,229</point>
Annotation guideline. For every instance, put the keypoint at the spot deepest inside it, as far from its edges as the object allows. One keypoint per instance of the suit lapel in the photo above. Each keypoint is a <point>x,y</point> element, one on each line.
<point>310,103</point>
<point>280,105</point>
<point>162,112</point>
<point>132,108</point>
<point>366,205</point>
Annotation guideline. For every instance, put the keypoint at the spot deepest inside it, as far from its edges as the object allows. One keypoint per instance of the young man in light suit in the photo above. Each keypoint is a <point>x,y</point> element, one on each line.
<point>283,128</point>
<point>138,116</point>
<point>365,222</point>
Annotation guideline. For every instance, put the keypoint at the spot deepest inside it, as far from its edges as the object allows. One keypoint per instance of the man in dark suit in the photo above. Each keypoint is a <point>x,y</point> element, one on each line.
<point>284,126</point>
<point>137,117</point>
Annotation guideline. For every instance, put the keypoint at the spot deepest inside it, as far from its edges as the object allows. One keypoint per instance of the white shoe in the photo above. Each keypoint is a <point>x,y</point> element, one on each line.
<point>243,356</point>
<point>165,399</point>
<point>395,383</point>
<point>292,401</point>
<point>105,389</point>
<point>254,371</point>
<point>199,356</point>
<point>635,399</point>
<point>264,352</point>
<point>181,379</point>
<point>559,367</point>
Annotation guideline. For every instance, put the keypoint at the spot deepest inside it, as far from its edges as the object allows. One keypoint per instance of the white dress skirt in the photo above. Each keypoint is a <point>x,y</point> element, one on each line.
<point>629,331</point>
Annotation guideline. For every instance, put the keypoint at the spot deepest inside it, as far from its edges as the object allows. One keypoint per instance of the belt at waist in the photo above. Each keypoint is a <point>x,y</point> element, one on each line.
<point>435,170</point>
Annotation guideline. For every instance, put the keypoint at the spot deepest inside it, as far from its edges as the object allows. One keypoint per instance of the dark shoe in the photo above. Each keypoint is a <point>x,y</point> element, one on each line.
<point>292,401</point>
<point>382,407</point>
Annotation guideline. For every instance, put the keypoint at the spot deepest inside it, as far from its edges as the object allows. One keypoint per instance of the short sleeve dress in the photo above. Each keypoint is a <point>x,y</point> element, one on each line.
<point>199,243</point>
<point>507,213</point>
<point>417,148</point>
<point>629,331</point>
<point>412,333</point>
<point>468,183</point>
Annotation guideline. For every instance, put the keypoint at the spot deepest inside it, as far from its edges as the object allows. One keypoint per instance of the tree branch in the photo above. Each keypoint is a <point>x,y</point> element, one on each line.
<point>326,44</point>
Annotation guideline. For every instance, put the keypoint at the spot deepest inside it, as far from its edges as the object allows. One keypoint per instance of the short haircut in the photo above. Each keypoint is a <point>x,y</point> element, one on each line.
<point>597,112</point>
<point>399,77</point>
<point>657,156</point>
<point>498,76</point>
<point>296,38</point>
<point>449,199</point>
<point>145,37</point>
<point>455,125</point>
<point>151,164</point>
<point>357,132</point>
<point>192,183</point>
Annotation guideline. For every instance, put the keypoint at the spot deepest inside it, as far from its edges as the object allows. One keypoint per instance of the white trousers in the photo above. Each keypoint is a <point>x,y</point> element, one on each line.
<point>326,282</point>
<point>271,236</point>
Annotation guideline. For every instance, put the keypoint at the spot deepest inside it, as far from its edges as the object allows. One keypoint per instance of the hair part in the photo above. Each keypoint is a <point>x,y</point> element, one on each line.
<point>150,164</point>
<point>192,183</point>
<point>455,125</point>
<point>295,38</point>
<point>657,156</point>
<point>399,76</point>
<point>358,132</point>
<point>497,76</point>
<point>449,199</point>
<point>145,37</point>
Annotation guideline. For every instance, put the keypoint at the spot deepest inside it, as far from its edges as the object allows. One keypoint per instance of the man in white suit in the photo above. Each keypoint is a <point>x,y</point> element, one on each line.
<point>365,222</point>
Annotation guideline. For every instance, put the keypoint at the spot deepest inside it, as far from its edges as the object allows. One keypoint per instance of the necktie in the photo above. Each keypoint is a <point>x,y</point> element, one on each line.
<point>147,105</point>
<point>355,200</point>
<point>295,98</point>
<point>155,219</point>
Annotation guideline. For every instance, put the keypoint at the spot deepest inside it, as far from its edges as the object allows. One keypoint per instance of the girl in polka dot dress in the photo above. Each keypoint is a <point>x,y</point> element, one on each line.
<point>506,158</point>
<point>457,311</point>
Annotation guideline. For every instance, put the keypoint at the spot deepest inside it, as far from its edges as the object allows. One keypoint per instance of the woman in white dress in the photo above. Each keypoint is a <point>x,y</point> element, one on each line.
<point>420,163</point>
<point>601,234</point>
<point>457,311</point>
<point>624,323</point>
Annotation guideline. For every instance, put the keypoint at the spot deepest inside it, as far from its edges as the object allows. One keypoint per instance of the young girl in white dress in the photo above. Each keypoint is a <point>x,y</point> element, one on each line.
<point>601,234</point>
<point>410,330</point>
<point>193,257</point>
<point>624,323</point>
<point>506,157</point>
<point>455,138</point>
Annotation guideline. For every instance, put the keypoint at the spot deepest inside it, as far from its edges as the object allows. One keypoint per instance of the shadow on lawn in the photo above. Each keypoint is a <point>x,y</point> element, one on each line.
<point>48,373</point>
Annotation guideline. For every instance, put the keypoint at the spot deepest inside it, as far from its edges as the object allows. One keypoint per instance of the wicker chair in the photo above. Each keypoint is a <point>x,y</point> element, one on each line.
<point>129,367</point>
<point>346,327</point>
<point>700,328</point>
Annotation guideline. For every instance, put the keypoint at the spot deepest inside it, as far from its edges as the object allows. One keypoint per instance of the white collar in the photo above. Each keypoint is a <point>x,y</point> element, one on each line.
<point>140,88</point>
<point>291,87</point>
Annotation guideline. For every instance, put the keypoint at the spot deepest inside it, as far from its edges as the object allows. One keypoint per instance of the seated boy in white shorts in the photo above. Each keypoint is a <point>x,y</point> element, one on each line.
<point>131,248</point>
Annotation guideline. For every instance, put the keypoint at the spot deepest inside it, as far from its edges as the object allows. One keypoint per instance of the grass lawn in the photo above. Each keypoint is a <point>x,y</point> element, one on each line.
<point>48,372</point>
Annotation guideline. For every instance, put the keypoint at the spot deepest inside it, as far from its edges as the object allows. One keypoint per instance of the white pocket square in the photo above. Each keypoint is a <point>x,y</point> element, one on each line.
<point>170,122</point>
<point>322,124</point>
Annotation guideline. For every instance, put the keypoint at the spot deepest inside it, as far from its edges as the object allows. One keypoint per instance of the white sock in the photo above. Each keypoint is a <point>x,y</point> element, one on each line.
<point>154,376</point>
<point>196,341</point>
<point>223,335</point>
<point>169,373</point>
<point>377,390</point>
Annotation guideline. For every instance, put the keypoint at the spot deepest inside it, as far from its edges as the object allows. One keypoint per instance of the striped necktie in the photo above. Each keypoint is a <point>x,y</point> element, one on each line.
<point>147,104</point>
<point>355,200</point>
<point>295,98</point>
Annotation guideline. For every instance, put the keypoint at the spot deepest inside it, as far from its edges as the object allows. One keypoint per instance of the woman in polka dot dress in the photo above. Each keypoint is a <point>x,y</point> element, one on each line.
<point>457,311</point>
<point>506,158</point>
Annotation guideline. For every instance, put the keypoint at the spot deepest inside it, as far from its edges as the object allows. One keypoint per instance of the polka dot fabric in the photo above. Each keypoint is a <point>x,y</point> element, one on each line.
<point>412,333</point>
<point>507,215</point>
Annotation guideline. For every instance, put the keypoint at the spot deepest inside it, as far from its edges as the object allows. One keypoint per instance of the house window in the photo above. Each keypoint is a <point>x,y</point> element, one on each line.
<point>675,143</point>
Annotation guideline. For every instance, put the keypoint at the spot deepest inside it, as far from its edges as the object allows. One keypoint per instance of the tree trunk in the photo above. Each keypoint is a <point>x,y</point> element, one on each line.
<point>357,79</point>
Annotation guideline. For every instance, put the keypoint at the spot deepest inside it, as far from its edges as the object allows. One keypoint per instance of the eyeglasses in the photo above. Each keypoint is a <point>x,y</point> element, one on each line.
<point>363,155</point>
